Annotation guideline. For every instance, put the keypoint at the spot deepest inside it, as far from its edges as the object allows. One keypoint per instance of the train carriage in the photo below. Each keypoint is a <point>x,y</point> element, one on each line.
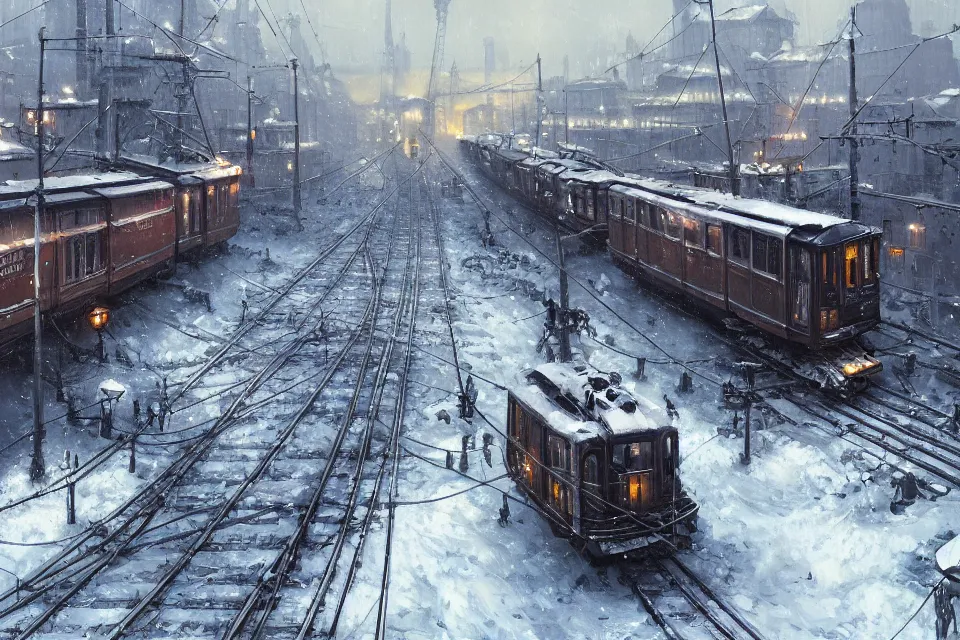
<point>803,278</point>
<point>141,232</point>
<point>16,266</point>
<point>601,463</point>
<point>103,233</point>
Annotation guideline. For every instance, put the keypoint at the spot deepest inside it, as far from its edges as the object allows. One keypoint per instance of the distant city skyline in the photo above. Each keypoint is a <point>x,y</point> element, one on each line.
<point>352,30</point>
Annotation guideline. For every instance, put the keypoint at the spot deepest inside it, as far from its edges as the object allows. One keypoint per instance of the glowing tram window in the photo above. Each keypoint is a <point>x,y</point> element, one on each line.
<point>850,266</point>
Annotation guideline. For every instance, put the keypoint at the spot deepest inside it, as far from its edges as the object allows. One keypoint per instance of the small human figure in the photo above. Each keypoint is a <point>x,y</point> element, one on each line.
<point>671,408</point>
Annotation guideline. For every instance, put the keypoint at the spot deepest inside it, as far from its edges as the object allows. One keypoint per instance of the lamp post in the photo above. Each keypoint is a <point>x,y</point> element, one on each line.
<point>112,392</point>
<point>251,134</point>
<point>98,319</point>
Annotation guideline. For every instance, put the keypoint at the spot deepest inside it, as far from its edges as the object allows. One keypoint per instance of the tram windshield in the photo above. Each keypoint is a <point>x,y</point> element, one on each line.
<point>636,456</point>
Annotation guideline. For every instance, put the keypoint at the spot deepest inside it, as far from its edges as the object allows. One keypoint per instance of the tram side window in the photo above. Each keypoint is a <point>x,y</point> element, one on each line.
<point>82,256</point>
<point>714,239</point>
<point>631,210</point>
<point>800,260</point>
<point>669,447</point>
<point>740,246</point>
<point>692,236</point>
<point>871,252</point>
<point>768,254</point>
<point>591,204</point>
<point>671,225</point>
<point>559,453</point>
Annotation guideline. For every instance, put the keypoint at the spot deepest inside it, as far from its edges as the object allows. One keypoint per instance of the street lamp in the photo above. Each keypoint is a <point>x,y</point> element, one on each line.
<point>112,392</point>
<point>98,319</point>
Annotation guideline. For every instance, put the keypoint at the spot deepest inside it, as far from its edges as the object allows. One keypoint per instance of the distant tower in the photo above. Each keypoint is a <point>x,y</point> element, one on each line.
<point>389,72</point>
<point>489,60</point>
<point>566,70</point>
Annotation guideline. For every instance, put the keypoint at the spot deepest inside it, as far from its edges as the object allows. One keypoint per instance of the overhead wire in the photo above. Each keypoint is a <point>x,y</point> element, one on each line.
<point>795,111</point>
<point>644,52</point>
<point>588,290</point>
<point>846,127</point>
<point>25,13</point>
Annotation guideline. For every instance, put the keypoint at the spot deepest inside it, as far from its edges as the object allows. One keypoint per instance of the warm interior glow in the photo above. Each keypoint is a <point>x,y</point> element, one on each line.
<point>99,318</point>
<point>634,484</point>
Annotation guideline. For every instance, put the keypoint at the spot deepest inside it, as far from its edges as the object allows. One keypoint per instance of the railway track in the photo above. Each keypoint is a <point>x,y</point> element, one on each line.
<point>240,494</point>
<point>683,605</point>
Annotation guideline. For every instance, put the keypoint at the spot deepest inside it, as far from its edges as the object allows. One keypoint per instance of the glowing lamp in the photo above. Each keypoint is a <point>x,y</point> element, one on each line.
<point>851,369</point>
<point>98,318</point>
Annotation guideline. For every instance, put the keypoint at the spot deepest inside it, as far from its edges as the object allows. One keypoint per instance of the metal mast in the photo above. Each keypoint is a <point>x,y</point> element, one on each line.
<point>389,58</point>
<point>442,7</point>
<point>855,206</point>
<point>734,166</point>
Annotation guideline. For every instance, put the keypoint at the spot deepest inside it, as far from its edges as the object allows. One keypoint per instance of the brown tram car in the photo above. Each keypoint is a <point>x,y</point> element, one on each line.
<point>602,464</point>
<point>101,234</point>
<point>809,279</point>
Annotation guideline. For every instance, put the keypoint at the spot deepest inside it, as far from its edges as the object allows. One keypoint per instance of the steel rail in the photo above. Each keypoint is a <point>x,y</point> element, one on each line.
<point>159,485</point>
<point>274,575</point>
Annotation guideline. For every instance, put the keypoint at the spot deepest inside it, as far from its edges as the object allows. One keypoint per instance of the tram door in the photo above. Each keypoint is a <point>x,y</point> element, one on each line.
<point>630,228</point>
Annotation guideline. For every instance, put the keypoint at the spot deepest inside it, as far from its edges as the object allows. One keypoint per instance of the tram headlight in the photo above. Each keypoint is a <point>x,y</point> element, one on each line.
<point>857,366</point>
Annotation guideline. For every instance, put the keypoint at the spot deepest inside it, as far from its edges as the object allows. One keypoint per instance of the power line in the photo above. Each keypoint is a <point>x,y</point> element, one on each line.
<point>796,110</point>
<point>315,34</point>
<point>876,92</point>
<point>293,54</point>
<point>25,13</point>
<point>643,53</point>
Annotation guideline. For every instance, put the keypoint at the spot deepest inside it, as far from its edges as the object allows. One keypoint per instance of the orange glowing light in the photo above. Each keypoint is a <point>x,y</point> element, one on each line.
<point>98,318</point>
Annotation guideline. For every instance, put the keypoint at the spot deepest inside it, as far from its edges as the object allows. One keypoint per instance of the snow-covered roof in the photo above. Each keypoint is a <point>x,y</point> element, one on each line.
<point>604,409</point>
<point>10,150</point>
<point>948,558</point>
<point>698,210</point>
<point>737,14</point>
<point>133,189</point>
<point>60,183</point>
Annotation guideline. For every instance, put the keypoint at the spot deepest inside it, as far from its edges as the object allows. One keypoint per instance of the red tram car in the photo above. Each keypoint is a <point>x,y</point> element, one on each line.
<point>102,234</point>
<point>601,463</point>
<point>806,279</point>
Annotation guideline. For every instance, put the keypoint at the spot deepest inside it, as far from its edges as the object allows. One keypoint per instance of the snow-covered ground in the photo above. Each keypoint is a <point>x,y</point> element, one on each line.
<point>802,542</point>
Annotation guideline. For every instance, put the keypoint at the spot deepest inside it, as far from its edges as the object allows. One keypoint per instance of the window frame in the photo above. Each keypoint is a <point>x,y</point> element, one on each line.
<point>694,227</point>
<point>737,235</point>
<point>719,237</point>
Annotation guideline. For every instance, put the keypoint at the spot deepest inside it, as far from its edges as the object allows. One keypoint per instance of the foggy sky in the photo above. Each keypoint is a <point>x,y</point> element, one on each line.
<point>352,30</point>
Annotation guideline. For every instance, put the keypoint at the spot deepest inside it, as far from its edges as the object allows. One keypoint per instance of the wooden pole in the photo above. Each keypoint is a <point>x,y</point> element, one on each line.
<point>37,467</point>
<point>562,317</point>
<point>855,204</point>
<point>296,142</point>
<point>734,167</point>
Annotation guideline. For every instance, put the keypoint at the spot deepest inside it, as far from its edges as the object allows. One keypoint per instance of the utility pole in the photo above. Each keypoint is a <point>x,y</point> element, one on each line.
<point>855,205</point>
<point>82,62</point>
<point>562,316</point>
<point>296,141</point>
<point>106,82</point>
<point>37,467</point>
<point>734,168</point>
<point>540,110</point>
<point>251,181</point>
<point>566,116</point>
<point>181,27</point>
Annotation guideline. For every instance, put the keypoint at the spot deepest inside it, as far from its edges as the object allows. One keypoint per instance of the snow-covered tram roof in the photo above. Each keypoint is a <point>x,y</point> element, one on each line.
<point>593,405</point>
<point>14,188</point>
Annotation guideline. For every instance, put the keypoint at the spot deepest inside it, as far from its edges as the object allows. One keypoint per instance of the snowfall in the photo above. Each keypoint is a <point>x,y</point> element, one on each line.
<point>802,541</point>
